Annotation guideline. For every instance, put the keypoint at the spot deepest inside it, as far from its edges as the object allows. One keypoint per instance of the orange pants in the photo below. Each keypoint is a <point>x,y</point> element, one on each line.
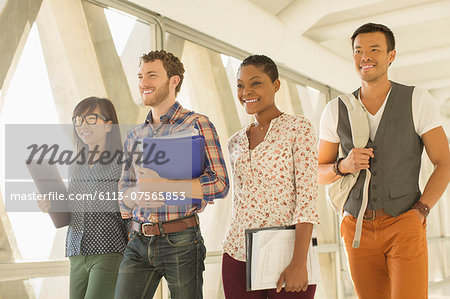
<point>391,261</point>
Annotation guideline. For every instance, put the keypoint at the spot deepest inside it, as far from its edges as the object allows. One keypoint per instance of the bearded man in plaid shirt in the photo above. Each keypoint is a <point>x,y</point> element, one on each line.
<point>165,240</point>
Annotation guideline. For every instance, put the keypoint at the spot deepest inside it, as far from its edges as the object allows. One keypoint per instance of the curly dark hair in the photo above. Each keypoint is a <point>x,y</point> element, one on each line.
<point>268,66</point>
<point>171,64</point>
<point>373,27</point>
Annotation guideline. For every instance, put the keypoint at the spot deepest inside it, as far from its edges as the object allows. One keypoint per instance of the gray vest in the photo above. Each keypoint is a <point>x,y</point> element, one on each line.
<point>394,185</point>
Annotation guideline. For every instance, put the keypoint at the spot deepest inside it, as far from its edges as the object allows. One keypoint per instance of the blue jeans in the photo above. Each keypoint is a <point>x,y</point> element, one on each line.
<point>179,257</point>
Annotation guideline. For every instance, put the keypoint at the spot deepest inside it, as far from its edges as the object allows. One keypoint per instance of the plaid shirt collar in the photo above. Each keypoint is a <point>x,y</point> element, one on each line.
<point>166,118</point>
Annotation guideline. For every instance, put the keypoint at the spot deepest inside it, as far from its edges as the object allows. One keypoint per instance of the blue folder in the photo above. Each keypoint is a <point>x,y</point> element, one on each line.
<point>183,157</point>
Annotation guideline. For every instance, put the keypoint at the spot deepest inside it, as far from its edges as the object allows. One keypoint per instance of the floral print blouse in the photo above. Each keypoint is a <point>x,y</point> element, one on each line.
<point>275,184</point>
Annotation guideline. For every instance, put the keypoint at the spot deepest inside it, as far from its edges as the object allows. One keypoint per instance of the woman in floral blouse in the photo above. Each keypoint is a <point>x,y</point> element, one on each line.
<point>274,165</point>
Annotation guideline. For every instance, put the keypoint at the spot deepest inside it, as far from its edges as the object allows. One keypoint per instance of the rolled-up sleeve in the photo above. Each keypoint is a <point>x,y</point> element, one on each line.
<point>306,173</point>
<point>214,180</point>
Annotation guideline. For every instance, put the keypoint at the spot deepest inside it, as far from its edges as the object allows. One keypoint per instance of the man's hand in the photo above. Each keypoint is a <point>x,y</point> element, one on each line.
<point>296,278</point>
<point>421,217</point>
<point>147,183</point>
<point>357,159</point>
<point>145,175</point>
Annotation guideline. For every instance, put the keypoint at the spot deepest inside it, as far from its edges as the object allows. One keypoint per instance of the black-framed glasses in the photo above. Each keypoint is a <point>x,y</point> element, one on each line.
<point>90,119</point>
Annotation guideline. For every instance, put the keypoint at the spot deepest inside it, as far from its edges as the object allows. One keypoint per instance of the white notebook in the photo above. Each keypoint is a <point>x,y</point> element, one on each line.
<point>269,252</point>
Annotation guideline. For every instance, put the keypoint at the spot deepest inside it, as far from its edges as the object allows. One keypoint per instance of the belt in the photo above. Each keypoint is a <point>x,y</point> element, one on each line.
<point>149,229</point>
<point>372,214</point>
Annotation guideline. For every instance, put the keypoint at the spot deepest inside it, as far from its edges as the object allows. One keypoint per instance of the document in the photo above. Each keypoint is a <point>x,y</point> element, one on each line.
<point>47,179</point>
<point>269,252</point>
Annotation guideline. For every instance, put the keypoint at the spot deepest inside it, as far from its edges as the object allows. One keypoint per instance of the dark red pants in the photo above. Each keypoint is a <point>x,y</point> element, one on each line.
<point>233,277</point>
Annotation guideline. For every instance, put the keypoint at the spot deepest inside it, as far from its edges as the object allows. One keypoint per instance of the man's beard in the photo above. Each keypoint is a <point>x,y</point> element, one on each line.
<point>161,94</point>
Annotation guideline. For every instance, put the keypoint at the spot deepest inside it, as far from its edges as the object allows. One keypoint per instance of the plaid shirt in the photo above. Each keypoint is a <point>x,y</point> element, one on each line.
<point>214,180</point>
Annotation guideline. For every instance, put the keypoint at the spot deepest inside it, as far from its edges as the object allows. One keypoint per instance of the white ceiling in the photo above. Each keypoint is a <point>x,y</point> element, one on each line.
<point>313,36</point>
<point>272,7</point>
<point>421,28</point>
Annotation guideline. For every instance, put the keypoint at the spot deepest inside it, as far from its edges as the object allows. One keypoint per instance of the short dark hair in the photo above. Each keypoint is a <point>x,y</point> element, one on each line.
<point>268,66</point>
<point>171,64</point>
<point>372,27</point>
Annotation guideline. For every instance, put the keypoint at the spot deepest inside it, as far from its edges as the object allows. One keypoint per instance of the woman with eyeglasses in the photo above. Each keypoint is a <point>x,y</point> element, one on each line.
<point>97,235</point>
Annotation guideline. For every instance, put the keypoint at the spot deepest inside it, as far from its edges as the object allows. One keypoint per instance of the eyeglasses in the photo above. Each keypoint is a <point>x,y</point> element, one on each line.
<point>90,119</point>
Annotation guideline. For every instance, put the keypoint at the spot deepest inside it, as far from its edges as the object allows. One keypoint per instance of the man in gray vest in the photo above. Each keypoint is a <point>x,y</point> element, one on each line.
<point>391,261</point>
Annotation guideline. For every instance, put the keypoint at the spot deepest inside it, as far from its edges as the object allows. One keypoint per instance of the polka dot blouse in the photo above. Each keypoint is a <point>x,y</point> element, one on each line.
<point>96,225</point>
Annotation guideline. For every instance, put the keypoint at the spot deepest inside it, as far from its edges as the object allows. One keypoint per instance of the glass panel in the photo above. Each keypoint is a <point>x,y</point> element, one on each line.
<point>17,289</point>
<point>39,288</point>
<point>231,65</point>
<point>327,288</point>
<point>29,100</point>
<point>132,38</point>
<point>121,26</point>
<point>313,101</point>
<point>51,287</point>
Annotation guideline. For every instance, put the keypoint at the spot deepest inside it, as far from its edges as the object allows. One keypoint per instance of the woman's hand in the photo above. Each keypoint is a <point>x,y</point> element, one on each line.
<point>44,204</point>
<point>296,278</point>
